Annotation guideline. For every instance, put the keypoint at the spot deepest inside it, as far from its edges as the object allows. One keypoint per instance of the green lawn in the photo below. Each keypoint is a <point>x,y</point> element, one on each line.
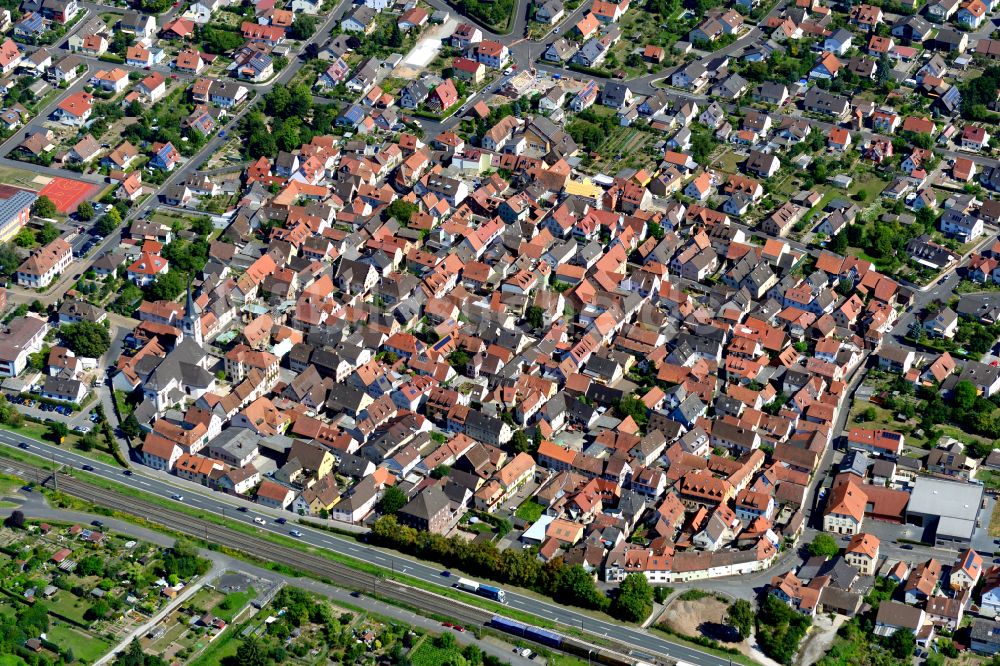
<point>868,182</point>
<point>224,646</point>
<point>427,654</point>
<point>530,511</point>
<point>234,602</point>
<point>990,478</point>
<point>68,605</point>
<point>19,177</point>
<point>86,648</point>
<point>9,484</point>
<point>11,660</point>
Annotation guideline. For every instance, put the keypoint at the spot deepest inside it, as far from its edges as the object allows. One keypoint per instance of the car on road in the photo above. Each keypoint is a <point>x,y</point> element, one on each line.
<point>281,521</point>
<point>355,594</point>
<point>296,533</point>
<point>222,134</point>
<point>97,523</point>
<point>447,624</point>
<point>177,497</point>
<point>555,30</point>
<point>242,509</point>
<point>87,468</point>
<point>22,445</point>
<point>259,520</point>
<point>906,546</point>
<point>524,652</point>
<point>446,573</point>
<point>459,628</point>
<point>127,472</point>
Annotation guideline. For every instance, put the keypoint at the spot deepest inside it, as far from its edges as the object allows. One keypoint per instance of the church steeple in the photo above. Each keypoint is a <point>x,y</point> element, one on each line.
<point>191,324</point>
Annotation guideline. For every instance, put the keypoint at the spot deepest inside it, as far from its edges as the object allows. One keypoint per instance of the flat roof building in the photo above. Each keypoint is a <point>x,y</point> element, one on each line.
<point>949,508</point>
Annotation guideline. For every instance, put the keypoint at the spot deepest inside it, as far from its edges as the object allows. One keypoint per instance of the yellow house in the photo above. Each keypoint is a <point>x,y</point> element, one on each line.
<point>316,461</point>
<point>322,495</point>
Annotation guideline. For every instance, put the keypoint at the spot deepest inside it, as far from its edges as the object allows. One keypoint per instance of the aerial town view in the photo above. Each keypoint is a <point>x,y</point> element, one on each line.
<point>500,332</point>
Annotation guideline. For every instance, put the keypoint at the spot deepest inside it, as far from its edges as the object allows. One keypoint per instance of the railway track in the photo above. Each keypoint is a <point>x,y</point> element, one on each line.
<point>340,574</point>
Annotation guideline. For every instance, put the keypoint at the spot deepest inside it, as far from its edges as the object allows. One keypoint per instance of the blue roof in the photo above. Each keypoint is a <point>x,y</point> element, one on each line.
<point>12,206</point>
<point>355,113</point>
<point>31,22</point>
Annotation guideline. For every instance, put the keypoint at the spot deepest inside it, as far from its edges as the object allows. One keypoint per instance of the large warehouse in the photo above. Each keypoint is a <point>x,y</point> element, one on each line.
<point>949,508</point>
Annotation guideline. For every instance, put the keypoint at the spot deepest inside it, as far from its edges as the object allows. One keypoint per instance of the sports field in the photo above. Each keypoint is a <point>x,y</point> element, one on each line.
<point>67,194</point>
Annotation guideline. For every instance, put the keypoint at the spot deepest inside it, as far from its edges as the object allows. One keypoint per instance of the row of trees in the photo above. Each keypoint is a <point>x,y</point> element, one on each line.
<point>571,585</point>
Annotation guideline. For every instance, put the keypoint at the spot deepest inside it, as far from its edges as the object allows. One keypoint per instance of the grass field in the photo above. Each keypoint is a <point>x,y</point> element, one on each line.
<point>68,605</point>
<point>530,511</point>
<point>20,178</point>
<point>11,660</point>
<point>427,654</point>
<point>234,602</point>
<point>994,528</point>
<point>224,646</point>
<point>86,648</point>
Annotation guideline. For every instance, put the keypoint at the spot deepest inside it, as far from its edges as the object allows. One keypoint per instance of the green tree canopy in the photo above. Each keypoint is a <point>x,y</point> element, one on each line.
<point>823,545</point>
<point>402,210</point>
<point>86,338</point>
<point>393,500</point>
<point>43,207</point>
<point>167,287</point>
<point>85,211</point>
<point>634,601</point>
<point>108,224</point>
<point>741,616</point>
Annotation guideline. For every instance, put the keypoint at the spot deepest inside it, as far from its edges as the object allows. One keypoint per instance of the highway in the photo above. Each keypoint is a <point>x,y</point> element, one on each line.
<point>224,505</point>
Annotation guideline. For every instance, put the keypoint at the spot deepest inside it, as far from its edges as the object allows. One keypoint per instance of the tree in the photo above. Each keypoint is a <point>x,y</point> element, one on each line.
<point>634,601</point>
<point>632,406</point>
<point>395,39</point>
<point>108,224</point>
<point>15,520</point>
<point>965,394</point>
<point>520,442</point>
<point>167,287</point>
<point>250,653</point>
<point>130,427</point>
<point>393,500</point>
<point>440,472</point>
<point>901,644</point>
<point>838,244</point>
<point>823,545</point>
<point>85,211</point>
<point>25,237</point>
<point>304,26</point>
<point>402,210</point>
<point>535,316</point>
<point>47,233</point>
<point>741,617</point>
<point>58,431</point>
<point>217,40</point>
<point>9,259</point>
<point>86,338</point>
<point>43,207</point>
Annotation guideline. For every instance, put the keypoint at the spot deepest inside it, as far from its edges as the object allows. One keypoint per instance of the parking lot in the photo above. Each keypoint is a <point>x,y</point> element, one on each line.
<point>81,421</point>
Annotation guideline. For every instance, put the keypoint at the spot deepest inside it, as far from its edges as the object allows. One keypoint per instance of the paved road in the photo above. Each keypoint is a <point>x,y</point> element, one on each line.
<point>225,505</point>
